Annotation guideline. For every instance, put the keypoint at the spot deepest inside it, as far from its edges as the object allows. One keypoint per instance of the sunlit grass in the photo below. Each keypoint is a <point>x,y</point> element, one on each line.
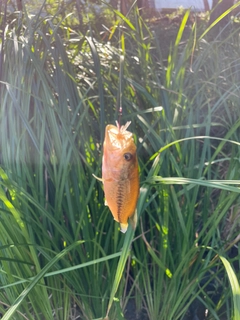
<point>62,254</point>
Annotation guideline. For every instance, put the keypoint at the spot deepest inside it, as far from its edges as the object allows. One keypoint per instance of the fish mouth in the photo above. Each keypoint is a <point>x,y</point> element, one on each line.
<point>118,137</point>
<point>122,129</point>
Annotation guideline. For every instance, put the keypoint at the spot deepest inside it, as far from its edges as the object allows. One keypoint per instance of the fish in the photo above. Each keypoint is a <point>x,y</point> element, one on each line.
<point>120,174</point>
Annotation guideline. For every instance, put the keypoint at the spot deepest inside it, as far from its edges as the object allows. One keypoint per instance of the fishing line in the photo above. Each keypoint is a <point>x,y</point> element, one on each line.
<point>119,102</point>
<point>119,108</point>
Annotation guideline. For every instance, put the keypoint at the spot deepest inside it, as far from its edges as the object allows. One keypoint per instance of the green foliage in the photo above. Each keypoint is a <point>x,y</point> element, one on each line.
<point>62,255</point>
<point>234,286</point>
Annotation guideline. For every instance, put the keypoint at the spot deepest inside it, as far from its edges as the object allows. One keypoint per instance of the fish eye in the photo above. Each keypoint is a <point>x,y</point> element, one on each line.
<point>127,156</point>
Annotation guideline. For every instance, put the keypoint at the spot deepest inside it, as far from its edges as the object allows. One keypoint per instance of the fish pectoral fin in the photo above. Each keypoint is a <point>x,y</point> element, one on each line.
<point>133,220</point>
<point>100,179</point>
<point>105,202</point>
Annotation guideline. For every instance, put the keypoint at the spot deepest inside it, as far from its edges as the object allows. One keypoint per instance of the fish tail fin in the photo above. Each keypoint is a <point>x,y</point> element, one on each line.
<point>124,227</point>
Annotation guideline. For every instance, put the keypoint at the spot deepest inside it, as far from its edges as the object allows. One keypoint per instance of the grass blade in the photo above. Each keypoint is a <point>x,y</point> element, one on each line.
<point>234,286</point>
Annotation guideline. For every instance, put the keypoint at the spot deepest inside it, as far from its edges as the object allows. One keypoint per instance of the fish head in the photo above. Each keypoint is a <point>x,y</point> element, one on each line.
<point>119,147</point>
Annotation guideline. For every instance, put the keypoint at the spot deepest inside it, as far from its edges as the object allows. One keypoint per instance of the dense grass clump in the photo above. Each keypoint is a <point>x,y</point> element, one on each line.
<point>62,255</point>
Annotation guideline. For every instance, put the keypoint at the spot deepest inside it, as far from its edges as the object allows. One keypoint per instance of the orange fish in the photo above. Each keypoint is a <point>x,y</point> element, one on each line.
<point>120,175</point>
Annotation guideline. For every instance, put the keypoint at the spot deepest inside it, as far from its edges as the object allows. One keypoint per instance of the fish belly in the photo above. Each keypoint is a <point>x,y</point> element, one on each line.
<point>121,197</point>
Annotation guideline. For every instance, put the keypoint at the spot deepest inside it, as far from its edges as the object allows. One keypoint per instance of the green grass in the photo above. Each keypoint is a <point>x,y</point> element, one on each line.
<point>62,256</point>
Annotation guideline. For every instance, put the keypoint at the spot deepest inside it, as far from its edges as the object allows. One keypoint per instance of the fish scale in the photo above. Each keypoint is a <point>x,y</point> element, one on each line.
<point>119,201</point>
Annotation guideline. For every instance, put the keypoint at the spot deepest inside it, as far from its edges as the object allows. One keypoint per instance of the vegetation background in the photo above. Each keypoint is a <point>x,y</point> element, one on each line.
<point>64,70</point>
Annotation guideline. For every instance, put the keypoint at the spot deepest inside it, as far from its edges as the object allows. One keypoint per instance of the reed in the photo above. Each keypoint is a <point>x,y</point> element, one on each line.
<point>62,255</point>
